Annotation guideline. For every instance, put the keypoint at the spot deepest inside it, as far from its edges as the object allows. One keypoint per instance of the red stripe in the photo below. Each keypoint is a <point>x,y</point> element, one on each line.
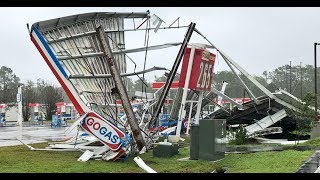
<point>120,152</point>
<point>60,103</point>
<point>64,86</point>
<point>158,85</point>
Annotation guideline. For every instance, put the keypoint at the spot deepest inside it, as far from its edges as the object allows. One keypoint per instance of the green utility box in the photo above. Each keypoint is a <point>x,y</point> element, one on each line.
<point>212,139</point>
<point>165,150</point>
<point>194,142</point>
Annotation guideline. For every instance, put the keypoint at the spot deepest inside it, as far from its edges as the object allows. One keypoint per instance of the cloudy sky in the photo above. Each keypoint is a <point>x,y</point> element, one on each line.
<point>257,39</point>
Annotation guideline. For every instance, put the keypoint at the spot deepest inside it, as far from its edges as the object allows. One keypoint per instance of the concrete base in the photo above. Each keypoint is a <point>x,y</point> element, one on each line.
<point>188,159</point>
<point>164,150</point>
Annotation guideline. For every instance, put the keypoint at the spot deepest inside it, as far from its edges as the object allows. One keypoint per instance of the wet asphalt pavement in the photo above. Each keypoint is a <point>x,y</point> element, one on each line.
<point>32,134</point>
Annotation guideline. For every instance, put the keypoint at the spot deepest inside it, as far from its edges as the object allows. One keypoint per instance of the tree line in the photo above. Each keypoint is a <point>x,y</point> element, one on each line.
<point>295,79</point>
<point>40,92</point>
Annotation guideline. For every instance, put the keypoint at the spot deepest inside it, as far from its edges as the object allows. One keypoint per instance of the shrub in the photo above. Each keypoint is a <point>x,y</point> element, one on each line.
<point>240,136</point>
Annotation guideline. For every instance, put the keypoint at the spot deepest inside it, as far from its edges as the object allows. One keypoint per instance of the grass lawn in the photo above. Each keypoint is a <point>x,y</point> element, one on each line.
<point>21,159</point>
<point>312,142</point>
<point>265,162</point>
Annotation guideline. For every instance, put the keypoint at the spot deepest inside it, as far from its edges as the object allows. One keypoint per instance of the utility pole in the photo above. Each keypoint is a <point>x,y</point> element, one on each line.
<point>286,78</point>
<point>105,46</point>
<point>315,81</point>
<point>20,116</point>
<point>301,81</point>
<point>290,80</point>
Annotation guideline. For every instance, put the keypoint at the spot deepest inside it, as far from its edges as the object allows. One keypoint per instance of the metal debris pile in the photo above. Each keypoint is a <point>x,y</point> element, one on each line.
<point>87,54</point>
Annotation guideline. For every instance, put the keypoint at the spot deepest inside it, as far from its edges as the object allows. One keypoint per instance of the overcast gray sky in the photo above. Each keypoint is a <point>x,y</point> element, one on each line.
<point>256,38</point>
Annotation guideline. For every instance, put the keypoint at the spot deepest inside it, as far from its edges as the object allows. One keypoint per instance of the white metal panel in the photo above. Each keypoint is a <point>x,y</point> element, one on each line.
<point>65,41</point>
<point>86,156</point>
<point>266,122</point>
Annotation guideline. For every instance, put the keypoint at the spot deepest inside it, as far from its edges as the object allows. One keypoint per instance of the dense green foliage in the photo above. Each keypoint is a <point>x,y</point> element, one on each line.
<point>304,115</point>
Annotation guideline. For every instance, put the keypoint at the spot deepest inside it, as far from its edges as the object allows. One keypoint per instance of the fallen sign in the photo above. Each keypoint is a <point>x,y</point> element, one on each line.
<point>106,132</point>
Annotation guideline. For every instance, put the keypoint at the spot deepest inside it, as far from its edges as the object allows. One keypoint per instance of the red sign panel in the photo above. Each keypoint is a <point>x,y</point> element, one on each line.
<point>202,70</point>
<point>158,85</point>
<point>34,104</point>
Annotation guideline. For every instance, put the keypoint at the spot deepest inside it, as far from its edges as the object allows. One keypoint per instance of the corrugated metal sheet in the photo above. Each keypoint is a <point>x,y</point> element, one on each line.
<point>73,37</point>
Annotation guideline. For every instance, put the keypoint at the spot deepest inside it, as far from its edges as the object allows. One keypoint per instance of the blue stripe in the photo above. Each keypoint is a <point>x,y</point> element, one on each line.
<point>46,46</point>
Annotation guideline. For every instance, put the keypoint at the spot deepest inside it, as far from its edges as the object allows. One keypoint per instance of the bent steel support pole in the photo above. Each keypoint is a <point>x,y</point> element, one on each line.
<point>227,58</point>
<point>105,46</point>
<point>172,73</point>
<point>252,79</point>
<point>220,95</point>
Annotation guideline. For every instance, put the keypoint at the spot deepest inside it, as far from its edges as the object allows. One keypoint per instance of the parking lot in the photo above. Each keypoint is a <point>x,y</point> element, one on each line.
<point>32,134</point>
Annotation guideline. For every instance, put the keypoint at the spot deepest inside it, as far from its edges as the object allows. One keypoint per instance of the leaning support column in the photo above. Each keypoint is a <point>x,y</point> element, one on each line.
<point>105,46</point>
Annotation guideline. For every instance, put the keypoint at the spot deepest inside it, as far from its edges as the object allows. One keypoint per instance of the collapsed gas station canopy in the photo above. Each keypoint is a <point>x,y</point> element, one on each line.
<point>74,42</point>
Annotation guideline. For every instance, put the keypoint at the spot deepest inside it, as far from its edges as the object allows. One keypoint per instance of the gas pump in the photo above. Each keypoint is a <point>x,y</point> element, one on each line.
<point>165,118</point>
<point>120,110</point>
<point>2,114</point>
<point>34,112</point>
<point>61,114</point>
<point>70,112</point>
